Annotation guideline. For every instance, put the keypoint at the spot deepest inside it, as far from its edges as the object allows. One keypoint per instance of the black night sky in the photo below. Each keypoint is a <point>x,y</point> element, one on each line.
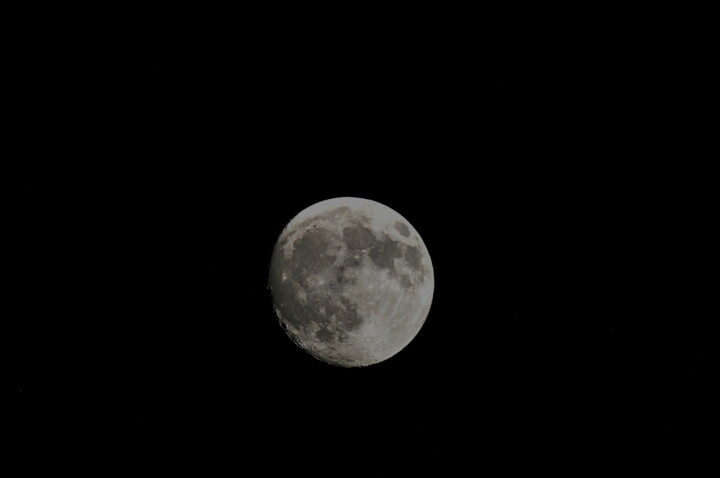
<point>157,170</point>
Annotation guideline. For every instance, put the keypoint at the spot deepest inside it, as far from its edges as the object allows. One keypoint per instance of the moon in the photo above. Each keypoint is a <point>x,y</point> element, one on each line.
<point>351,281</point>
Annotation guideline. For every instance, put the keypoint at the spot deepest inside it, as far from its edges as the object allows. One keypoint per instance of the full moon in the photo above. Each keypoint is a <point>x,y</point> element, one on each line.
<point>351,281</point>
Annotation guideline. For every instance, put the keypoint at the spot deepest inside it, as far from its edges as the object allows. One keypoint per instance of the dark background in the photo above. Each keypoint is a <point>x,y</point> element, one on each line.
<point>544,169</point>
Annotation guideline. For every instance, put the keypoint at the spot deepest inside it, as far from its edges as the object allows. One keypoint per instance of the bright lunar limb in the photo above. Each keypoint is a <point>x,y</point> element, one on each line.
<point>351,281</point>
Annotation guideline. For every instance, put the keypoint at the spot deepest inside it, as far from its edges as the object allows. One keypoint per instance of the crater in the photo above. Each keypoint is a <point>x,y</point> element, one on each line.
<point>336,285</point>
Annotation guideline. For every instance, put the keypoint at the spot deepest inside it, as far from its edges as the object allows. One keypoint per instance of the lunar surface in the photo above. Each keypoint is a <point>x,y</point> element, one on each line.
<point>351,281</point>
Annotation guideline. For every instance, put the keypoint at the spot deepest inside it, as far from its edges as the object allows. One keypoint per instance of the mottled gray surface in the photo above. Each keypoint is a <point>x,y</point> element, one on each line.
<point>351,281</point>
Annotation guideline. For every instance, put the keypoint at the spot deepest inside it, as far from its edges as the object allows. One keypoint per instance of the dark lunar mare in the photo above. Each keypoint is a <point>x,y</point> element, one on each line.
<point>402,229</point>
<point>310,252</point>
<point>358,237</point>
<point>310,256</point>
<point>384,252</point>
